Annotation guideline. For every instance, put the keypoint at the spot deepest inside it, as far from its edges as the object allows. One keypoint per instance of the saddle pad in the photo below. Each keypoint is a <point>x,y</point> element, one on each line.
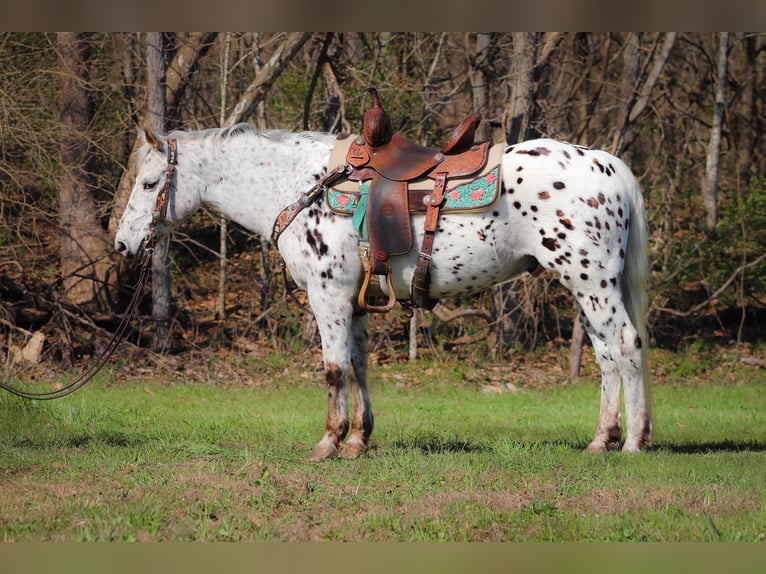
<point>478,193</point>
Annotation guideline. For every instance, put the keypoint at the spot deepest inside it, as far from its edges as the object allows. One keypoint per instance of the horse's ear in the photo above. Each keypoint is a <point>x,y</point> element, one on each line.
<point>151,139</point>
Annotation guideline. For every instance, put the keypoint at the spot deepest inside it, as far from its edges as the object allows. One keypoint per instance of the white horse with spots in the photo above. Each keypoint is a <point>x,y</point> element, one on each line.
<point>573,210</point>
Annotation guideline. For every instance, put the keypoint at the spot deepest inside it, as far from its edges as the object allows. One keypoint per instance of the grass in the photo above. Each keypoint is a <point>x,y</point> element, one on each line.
<point>128,458</point>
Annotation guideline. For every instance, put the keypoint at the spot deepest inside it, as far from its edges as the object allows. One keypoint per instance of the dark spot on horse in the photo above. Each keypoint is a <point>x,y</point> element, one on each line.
<point>601,198</point>
<point>584,276</point>
<point>561,235</point>
<point>593,202</point>
<point>517,205</point>
<point>536,152</point>
<point>585,263</point>
<point>603,283</point>
<point>550,243</point>
<point>638,343</point>
<point>622,254</point>
<point>534,208</point>
<point>482,235</point>
<point>520,167</point>
<point>566,154</point>
<point>316,243</point>
<point>544,195</point>
<point>558,185</point>
<point>519,180</point>
<point>619,211</point>
<point>601,167</point>
<point>580,152</point>
<point>567,223</point>
<point>333,375</point>
<point>495,213</point>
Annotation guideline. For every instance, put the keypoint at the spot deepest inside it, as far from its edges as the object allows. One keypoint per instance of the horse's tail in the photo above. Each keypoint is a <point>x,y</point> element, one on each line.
<point>635,276</point>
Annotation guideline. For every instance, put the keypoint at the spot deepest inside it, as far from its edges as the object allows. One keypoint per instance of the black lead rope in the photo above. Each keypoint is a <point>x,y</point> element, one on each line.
<point>88,375</point>
<point>158,214</point>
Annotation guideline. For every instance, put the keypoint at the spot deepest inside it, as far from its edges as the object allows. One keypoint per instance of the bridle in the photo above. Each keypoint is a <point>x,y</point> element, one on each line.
<point>158,214</point>
<point>160,211</point>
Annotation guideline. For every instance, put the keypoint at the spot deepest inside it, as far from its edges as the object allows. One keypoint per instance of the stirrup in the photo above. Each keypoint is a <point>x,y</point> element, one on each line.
<point>376,308</point>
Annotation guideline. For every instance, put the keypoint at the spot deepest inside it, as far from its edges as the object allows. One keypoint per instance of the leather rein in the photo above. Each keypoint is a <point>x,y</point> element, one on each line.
<point>158,214</point>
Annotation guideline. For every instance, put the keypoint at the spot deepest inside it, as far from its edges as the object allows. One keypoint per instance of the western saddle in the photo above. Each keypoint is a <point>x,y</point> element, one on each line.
<point>390,163</point>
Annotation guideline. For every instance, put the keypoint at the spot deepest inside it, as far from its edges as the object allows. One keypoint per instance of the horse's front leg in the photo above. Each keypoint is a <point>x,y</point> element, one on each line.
<point>334,318</point>
<point>336,425</point>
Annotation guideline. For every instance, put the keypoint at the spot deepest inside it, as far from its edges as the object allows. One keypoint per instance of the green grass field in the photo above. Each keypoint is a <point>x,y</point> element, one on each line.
<point>137,458</point>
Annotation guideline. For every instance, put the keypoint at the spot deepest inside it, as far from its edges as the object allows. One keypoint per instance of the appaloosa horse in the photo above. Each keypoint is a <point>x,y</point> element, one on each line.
<point>575,211</point>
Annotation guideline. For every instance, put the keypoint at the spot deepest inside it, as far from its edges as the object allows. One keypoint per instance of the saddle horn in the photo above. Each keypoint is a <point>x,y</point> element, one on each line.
<point>376,124</point>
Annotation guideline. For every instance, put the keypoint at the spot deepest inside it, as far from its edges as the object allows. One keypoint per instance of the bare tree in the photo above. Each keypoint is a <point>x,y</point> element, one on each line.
<point>710,184</point>
<point>84,244</point>
<point>155,89</point>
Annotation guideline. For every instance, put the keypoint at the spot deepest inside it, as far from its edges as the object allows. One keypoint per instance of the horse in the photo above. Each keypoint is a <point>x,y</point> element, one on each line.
<point>575,211</point>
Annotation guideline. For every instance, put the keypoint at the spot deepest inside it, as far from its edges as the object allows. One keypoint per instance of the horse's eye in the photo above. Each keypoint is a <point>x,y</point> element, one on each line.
<point>150,185</point>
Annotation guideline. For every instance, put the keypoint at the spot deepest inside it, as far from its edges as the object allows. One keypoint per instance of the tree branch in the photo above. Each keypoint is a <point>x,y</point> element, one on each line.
<point>265,78</point>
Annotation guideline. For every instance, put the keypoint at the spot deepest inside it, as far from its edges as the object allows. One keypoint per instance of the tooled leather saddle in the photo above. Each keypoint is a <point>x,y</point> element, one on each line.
<point>390,163</point>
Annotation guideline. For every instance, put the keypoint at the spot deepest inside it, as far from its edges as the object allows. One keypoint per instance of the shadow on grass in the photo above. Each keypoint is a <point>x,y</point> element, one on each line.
<point>712,447</point>
<point>79,441</point>
<point>432,443</point>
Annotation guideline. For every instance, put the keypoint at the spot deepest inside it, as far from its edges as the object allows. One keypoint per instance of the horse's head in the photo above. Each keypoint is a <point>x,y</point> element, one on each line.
<point>154,205</point>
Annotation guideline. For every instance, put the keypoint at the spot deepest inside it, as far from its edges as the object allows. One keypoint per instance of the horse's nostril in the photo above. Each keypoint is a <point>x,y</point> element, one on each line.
<point>121,247</point>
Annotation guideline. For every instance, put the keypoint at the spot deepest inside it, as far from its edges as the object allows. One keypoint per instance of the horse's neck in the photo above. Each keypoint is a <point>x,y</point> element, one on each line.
<point>252,178</point>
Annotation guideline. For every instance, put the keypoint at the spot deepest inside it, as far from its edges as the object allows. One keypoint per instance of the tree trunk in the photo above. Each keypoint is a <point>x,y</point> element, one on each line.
<point>710,185</point>
<point>224,229</point>
<point>85,247</point>
<point>519,106</point>
<point>155,79</point>
<point>480,84</point>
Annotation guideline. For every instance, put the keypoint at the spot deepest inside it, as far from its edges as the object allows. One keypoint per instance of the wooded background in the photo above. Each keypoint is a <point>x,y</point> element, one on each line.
<point>685,111</point>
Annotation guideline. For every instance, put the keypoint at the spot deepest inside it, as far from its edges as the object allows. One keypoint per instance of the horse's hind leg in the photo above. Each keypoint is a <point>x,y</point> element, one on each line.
<point>609,429</point>
<point>362,418</point>
<point>619,353</point>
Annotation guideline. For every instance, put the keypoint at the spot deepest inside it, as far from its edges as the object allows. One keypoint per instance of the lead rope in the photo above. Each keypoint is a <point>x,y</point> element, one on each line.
<point>158,214</point>
<point>114,341</point>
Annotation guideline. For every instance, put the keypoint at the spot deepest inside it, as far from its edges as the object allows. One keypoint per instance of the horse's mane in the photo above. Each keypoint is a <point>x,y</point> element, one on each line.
<point>219,135</point>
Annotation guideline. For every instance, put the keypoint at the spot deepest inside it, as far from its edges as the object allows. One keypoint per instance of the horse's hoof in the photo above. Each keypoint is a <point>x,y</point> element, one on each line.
<point>353,449</point>
<point>596,446</point>
<point>632,446</point>
<point>323,451</point>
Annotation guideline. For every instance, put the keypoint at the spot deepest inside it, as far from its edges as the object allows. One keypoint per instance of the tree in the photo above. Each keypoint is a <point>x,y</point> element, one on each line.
<point>85,247</point>
<point>710,184</point>
<point>156,102</point>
